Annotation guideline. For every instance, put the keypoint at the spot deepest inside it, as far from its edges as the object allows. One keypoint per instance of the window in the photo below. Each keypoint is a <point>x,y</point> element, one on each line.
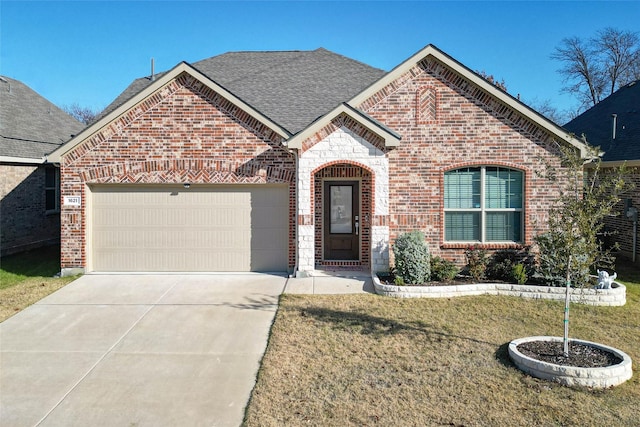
<point>483,204</point>
<point>51,189</point>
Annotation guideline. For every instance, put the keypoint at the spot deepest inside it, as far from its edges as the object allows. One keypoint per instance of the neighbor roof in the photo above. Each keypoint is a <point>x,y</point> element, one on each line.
<point>30,125</point>
<point>292,88</point>
<point>597,124</point>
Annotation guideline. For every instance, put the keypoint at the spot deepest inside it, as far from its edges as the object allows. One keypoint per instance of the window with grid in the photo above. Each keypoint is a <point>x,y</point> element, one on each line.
<point>483,204</point>
<point>51,185</point>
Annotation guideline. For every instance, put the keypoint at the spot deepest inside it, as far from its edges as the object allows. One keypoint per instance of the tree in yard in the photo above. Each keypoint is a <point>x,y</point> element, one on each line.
<point>82,114</point>
<point>572,248</point>
<point>595,68</point>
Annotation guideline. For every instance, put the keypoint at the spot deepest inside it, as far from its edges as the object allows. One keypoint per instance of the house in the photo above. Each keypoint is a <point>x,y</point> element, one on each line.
<point>300,161</point>
<point>614,125</point>
<point>30,128</point>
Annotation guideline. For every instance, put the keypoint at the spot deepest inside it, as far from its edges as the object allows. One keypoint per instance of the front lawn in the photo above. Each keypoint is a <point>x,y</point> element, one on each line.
<point>367,360</point>
<point>27,277</point>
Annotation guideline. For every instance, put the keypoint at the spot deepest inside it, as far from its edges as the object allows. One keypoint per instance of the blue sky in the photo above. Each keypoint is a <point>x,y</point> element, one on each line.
<point>87,52</point>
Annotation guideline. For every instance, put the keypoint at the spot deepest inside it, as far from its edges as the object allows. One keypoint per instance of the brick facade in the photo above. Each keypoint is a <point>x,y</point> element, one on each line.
<point>24,221</point>
<point>446,122</point>
<point>184,132</point>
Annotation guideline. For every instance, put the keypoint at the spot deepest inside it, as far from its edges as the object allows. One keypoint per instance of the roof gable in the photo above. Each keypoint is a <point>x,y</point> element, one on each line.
<point>148,91</point>
<point>597,124</point>
<point>30,125</point>
<point>499,99</point>
<point>390,138</point>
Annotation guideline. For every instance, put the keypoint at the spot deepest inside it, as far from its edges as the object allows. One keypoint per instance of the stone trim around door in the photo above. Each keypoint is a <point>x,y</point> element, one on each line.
<point>343,147</point>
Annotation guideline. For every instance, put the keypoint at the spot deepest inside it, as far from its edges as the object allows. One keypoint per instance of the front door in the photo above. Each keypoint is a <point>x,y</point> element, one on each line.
<point>341,220</point>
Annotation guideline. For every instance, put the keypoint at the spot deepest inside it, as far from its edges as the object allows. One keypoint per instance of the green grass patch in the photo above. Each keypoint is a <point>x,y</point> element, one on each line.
<point>28,277</point>
<point>44,262</point>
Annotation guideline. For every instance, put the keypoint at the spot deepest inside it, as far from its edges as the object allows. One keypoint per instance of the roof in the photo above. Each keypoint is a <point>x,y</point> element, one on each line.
<point>597,124</point>
<point>30,125</point>
<point>295,93</point>
<point>292,88</point>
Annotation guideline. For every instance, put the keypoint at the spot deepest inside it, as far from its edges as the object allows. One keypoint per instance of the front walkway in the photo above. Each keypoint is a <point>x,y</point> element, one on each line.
<point>331,282</point>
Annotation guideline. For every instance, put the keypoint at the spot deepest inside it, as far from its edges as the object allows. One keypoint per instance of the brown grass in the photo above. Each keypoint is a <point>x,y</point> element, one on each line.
<point>367,360</point>
<point>27,292</point>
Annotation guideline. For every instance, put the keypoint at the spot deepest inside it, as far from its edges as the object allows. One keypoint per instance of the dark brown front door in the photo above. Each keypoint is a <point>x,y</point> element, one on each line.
<point>341,220</point>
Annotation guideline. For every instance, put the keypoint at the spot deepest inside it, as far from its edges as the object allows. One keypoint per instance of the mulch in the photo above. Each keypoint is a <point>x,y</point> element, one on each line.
<point>580,355</point>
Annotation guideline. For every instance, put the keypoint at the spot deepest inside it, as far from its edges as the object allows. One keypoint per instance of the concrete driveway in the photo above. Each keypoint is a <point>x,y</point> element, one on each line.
<point>137,350</point>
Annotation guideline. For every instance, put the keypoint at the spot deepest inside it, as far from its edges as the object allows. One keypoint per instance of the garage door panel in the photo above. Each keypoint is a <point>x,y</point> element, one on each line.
<point>214,228</point>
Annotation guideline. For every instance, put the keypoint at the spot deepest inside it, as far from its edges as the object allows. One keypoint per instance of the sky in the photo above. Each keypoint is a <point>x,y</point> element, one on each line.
<point>87,52</point>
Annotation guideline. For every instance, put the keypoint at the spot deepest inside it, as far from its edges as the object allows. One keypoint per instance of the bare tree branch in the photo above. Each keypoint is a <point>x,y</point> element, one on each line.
<point>84,115</point>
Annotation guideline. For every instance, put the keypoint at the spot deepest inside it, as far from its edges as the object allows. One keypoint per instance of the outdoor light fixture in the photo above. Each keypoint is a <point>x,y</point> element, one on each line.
<point>186,185</point>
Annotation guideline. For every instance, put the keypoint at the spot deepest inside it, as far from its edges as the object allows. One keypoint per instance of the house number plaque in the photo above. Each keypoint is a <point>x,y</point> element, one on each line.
<point>72,201</point>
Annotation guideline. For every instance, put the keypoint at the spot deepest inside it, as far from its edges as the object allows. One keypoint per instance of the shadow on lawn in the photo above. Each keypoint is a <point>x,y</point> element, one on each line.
<point>41,262</point>
<point>378,326</point>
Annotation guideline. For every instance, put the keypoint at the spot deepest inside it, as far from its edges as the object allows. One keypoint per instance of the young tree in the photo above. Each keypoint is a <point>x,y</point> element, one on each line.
<point>595,68</point>
<point>572,247</point>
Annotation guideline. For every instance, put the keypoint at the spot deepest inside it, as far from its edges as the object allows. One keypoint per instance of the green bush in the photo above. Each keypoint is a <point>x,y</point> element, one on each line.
<point>519,273</point>
<point>501,264</point>
<point>412,258</point>
<point>443,269</point>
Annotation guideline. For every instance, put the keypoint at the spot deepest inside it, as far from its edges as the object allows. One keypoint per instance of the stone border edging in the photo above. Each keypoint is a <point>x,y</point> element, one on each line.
<point>616,296</point>
<point>603,377</point>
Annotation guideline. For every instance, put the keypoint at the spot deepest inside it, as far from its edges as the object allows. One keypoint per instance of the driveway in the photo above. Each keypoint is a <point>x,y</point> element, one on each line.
<point>137,350</point>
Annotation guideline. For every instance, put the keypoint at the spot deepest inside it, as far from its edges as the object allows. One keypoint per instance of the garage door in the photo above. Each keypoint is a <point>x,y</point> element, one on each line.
<point>201,228</point>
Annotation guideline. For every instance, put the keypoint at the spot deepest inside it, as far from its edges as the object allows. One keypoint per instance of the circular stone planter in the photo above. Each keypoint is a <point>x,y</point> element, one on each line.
<point>603,377</point>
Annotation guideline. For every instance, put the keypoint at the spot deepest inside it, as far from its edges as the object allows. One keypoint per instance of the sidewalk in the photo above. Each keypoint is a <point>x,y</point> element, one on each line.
<point>324,282</point>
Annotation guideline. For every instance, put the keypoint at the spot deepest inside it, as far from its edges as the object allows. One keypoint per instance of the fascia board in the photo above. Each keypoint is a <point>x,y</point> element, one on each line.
<point>390,139</point>
<point>615,164</point>
<point>465,72</point>
<point>22,160</point>
<point>56,155</point>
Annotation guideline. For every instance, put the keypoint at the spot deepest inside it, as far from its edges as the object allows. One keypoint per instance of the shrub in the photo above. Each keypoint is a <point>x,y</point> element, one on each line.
<point>519,273</point>
<point>500,266</point>
<point>412,258</point>
<point>443,269</point>
<point>477,262</point>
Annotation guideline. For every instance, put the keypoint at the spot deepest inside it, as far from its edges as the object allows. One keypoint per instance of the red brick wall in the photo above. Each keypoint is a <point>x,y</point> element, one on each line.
<point>184,132</point>
<point>446,122</point>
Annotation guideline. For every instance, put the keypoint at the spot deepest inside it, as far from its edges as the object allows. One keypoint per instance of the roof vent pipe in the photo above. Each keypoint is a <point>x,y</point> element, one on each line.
<point>153,74</point>
<point>615,124</point>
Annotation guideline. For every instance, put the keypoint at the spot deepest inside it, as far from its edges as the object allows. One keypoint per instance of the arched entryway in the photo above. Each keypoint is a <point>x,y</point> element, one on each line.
<point>342,206</point>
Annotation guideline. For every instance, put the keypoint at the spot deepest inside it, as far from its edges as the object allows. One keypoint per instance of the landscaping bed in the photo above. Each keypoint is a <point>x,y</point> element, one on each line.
<point>616,296</point>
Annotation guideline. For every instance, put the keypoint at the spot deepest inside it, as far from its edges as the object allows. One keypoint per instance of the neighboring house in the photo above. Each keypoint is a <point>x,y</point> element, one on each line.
<point>297,161</point>
<point>30,128</point>
<point>613,124</point>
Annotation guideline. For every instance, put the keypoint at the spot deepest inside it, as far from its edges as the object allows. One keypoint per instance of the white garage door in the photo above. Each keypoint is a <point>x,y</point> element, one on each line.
<point>202,228</point>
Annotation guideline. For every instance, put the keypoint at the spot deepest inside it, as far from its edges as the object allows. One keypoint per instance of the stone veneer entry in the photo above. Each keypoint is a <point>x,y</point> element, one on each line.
<point>616,296</point>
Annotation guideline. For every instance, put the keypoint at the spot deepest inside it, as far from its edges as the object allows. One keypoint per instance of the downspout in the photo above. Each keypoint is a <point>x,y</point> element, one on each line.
<point>294,151</point>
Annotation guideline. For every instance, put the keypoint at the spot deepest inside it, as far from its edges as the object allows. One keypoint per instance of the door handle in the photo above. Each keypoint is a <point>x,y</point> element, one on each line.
<point>357,225</point>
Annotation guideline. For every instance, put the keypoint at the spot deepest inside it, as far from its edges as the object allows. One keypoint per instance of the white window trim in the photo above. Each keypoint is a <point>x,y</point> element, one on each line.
<point>483,210</point>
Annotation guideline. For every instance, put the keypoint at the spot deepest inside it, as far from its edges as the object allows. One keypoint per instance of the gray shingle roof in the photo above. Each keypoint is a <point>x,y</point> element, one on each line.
<point>597,124</point>
<point>30,125</point>
<point>292,88</point>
